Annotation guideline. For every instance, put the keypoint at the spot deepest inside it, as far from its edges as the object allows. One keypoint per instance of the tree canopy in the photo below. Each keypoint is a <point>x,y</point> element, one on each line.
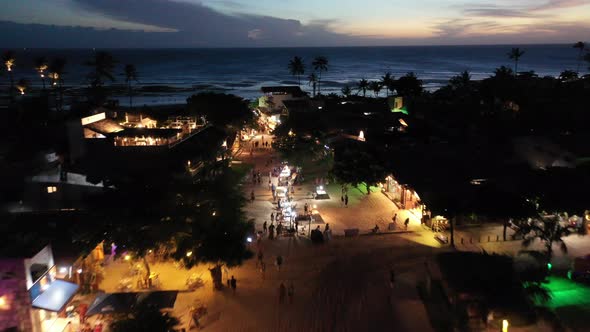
<point>220,109</point>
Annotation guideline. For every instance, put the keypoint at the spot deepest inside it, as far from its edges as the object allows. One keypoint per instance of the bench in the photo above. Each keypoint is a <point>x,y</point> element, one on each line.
<point>443,239</point>
<point>351,232</point>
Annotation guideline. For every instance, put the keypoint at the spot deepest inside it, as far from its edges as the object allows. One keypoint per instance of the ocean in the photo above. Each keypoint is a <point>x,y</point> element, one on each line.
<point>244,71</point>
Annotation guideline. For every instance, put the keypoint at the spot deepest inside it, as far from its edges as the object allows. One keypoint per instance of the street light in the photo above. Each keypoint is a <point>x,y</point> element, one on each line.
<point>505,325</point>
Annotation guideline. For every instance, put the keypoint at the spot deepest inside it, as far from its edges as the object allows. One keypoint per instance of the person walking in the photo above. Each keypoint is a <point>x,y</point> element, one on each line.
<point>406,223</point>
<point>233,283</point>
<point>341,199</point>
<point>282,293</point>
<point>262,269</point>
<point>264,226</point>
<point>296,226</point>
<point>291,292</point>
<point>260,257</point>
<point>272,217</point>
<point>271,231</point>
<point>394,218</point>
<point>279,262</point>
<point>252,197</point>
<point>305,208</point>
<point>345,200</point>
<point>391,278</point>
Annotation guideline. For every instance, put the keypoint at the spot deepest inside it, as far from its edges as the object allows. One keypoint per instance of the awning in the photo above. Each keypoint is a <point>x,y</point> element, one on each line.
<point>56,296</point>
<point>125,302</point>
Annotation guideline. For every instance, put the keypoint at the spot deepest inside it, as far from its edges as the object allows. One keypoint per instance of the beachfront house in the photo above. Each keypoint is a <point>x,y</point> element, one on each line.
<point>275,96</point>
<point>32,295</point>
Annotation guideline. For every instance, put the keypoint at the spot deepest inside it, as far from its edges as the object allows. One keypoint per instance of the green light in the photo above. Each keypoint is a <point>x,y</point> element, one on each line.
<point>569,274</point>
<point>549,266</point>
<point>400,110</point>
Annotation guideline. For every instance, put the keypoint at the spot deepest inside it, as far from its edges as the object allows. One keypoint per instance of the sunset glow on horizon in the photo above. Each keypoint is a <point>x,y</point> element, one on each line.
<point>331,22</point>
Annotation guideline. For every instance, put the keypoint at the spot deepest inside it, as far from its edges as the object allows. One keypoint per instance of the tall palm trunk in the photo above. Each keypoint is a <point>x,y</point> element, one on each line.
<point>130,95</point>
<point>579,60</point>
<point>516,67</point>
<point>11,85</point>
<point>320,83</point>
<point>43,81</point>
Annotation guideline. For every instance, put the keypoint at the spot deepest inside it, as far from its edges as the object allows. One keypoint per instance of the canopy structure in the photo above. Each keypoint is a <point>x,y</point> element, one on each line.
<point>55,297</point>
<point>126,302</point>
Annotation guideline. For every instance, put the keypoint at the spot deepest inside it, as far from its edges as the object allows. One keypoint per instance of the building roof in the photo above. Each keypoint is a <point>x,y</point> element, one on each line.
<point>105,127</point>
<point>288,89</point>
<point>56,296</point>
<point>153,132</point>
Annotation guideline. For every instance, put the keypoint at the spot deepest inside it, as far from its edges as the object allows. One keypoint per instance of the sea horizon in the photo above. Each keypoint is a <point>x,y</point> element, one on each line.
<point>242,71</point>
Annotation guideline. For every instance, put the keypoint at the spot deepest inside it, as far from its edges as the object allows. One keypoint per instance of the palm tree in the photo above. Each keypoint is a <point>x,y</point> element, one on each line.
<point>460,81</point>
<point>550,231</point>
<point>130,75</point>
<point>313,80</point>
<point>515,55</point>
<point>297,68</point>
<point>346,91</point>
<point>375,87</point>
<point>41,66</point>
<point>388,82</point>
<point>581,46</point>
<point>568,75</point>
<point>102,66</point>
<point>363,85</point>
<point>56,73</point>
<point>9,58</point>
<point>320,64</point>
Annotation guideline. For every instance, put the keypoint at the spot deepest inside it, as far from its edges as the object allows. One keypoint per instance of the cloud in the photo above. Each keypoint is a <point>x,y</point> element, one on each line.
<point>558,4</point>
<point>254,34</point>
<point>495,11</point>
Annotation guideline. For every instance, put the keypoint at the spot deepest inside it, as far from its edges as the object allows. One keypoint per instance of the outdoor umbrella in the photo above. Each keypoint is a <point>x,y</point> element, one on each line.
<point>125,302</point>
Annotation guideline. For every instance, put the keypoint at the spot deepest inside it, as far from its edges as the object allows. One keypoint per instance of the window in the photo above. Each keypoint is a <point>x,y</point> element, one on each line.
<point>51,189</point>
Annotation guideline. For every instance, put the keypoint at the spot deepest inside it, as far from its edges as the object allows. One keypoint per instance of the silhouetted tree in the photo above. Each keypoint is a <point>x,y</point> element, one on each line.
<point>220,109</point>
<point>549,230</point>
<point>376,88</point>
<point>102,66</point>
<point>346,91</point>
<point>297,68</point>
<point>313,81</point>
<point>320,64</point>
<point>145,318</point>
<point>581,47</point>
<point>362,86</point>
<point>409,85</point>
<point>56,74</point>
<point>131,75</point>
<point>515,54</point>
<point>388,82</point>
<point>568,75</point>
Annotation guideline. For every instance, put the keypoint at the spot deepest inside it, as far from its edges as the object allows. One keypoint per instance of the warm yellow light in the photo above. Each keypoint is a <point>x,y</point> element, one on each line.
<point>315,206</point>
<point>505,325</point>
<point>4,305</point>
<point>189,253</point>
<point>9,63</point>
<point>127,257</point>
<point>214,213</point>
